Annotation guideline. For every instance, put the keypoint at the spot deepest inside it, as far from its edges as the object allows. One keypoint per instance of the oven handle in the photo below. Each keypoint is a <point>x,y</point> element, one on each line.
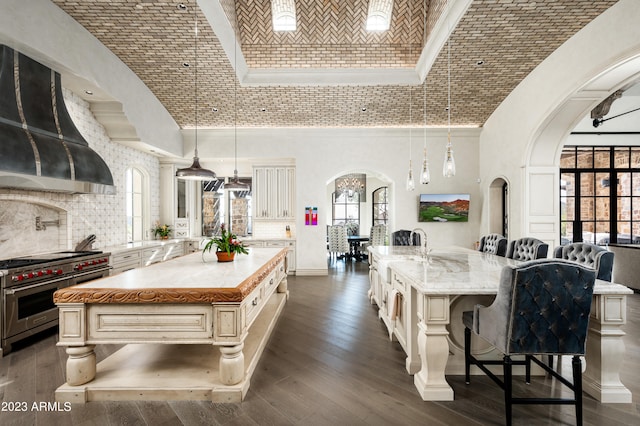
<point>40,284</point>
<point>93,271</point>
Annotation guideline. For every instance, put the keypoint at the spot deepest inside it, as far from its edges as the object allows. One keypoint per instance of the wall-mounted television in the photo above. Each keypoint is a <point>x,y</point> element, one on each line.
<point>443,208</point>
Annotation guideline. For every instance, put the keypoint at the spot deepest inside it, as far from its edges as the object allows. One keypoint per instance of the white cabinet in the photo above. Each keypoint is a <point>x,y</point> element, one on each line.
<point>123,261</point>
<point>289,244</point>
<point>132,258</point>
<point>274,193</point>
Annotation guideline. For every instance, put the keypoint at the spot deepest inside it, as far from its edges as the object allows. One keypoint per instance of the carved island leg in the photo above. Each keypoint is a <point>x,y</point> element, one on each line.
<point>433,348</point>
<point>231,364</point>
<point>605,350</point>
<point>81,364</point>
<point>283,287</point>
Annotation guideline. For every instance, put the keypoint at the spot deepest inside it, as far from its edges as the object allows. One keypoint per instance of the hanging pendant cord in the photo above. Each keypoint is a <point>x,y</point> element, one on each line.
<point>195,73</point>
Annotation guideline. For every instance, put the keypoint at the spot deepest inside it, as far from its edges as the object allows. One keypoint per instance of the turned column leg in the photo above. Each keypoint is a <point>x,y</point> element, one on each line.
<point>81,364</point>
<point>433,348</point>
<point>434,352</point>
<point>605,350</point>
<point>231,364</point>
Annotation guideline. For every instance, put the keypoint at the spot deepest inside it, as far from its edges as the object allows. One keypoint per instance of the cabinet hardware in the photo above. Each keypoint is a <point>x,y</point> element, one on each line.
<point>255,301</point>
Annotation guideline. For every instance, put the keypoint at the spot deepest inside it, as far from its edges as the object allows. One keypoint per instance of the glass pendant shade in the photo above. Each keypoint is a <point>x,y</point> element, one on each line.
<point>411,184</point>
<point>425,176</point>
<point>449,167</point>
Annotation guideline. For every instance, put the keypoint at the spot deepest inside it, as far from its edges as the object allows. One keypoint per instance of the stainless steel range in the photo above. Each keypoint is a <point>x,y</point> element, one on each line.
<point>27,285</point>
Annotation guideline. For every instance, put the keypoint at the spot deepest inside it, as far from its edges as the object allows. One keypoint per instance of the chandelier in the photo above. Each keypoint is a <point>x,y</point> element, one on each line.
<point>352,184</point>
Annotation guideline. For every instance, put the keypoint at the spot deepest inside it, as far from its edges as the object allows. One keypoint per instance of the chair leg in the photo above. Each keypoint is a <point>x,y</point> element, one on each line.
<point>576,363</point>
<point>527,369</point>
<point>467,355</point>
<point>508,390</point>
<point>550,363</point>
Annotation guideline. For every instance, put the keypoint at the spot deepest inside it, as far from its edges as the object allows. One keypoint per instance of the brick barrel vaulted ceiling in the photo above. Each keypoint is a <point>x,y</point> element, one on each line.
<point>154,38</point>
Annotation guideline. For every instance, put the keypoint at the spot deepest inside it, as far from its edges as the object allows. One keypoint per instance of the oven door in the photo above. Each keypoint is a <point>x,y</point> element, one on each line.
<point>29,309</point>
<point>83,277</point>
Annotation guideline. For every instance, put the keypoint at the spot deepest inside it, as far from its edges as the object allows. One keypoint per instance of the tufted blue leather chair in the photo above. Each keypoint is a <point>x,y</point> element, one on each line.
<point>527,249</point>
<point>595,257</point>
<point>401,238</point>
<point>542,307</point>
<point>494,244</point>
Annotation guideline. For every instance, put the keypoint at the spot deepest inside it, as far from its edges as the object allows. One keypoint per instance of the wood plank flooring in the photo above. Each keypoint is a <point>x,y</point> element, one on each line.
<point>329,362</point>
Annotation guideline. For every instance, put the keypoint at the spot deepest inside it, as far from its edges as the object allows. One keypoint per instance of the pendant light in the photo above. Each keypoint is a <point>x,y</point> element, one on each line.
<point>449,166</point>
<point>425,176</point>
<point>234,184</point>
<point>195,171</point>
<point>410,183</point>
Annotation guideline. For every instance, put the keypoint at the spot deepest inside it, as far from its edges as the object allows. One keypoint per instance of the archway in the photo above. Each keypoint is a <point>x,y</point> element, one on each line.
<point>499,207</point>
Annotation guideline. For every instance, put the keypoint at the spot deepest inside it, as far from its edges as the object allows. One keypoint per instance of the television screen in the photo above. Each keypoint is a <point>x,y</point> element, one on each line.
<point>443,208</point>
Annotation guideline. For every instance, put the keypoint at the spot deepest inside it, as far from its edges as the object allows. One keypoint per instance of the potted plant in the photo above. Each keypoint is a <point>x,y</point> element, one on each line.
<point>227,245</point>
<point>161,231</point>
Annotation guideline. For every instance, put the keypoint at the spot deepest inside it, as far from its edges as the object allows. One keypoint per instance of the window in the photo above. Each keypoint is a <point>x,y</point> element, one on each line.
<point>379,15</point>
<point>600,194</point>
<point>346,211</point>
<point>283,13</point>
<point>233,208</point>
<point>379,206</point>
<point>135,204</point>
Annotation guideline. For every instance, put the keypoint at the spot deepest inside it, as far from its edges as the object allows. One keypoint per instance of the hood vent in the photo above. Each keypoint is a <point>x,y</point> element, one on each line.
<point>40,147</point>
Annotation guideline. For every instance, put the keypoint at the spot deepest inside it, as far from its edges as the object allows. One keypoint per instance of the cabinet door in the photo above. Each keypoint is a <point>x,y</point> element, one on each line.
<point>260,189</point>
<point>286,192</point>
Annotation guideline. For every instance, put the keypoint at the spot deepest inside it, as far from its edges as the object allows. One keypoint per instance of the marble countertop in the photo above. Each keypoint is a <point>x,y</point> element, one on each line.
<point>186,279</point>
<point>466,271</point>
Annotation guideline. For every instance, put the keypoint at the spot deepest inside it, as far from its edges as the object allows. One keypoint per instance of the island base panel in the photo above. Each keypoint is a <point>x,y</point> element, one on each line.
<point>163,372</point>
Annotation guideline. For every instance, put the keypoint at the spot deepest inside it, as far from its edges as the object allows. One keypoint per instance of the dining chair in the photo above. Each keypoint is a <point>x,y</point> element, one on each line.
<point>378,235</point>
<point>596,257</point>
<point>527,249</point>
<point>541,308</point>
<point>402,237</point>
<point>338,241</point>
<point>493,244</point>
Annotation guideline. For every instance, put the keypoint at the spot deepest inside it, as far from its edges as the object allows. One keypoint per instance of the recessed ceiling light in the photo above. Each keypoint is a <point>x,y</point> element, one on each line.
<point>214,109</point>
<point>186,64</point>
<point>263,109</point>
<point>363,109</point>
<point>88,92</point>
<point>479,62</point>
<point>182,6</point>
<point>139,6</point>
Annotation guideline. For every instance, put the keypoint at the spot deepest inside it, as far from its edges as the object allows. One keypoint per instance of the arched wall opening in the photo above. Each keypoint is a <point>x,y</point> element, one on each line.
<point>530,127</point>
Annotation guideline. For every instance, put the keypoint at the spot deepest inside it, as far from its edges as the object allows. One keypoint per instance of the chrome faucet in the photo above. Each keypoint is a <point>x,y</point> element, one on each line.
<point>423,240</point>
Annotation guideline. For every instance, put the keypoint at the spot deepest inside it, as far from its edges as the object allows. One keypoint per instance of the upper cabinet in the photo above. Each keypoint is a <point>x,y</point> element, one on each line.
<point>274,190</point>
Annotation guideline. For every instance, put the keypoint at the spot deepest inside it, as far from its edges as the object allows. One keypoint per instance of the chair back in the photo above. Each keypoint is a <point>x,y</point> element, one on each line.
<point>527,249</point>
<point>402,237</point>
<point>542,307</point>
<point>378,235</point>
<point>591,255</point>
<point>493,244</point>
<point>338,240</point>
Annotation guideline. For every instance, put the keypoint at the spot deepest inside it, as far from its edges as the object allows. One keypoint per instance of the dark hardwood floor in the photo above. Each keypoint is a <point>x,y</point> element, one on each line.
<point>329,362</point>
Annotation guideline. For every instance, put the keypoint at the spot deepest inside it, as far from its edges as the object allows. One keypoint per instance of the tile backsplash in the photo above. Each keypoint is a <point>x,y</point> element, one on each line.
<point>79,215</point>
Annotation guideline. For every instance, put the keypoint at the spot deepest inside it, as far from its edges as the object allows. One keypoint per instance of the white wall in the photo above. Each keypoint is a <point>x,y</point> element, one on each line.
<point>522,140</point>
<point>102,215</point>
<point>321,155</point>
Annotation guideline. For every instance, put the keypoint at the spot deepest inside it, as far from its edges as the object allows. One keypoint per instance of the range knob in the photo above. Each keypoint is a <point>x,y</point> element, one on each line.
<point>30,275</point>
<point>40,273</point>
<point>17,278</point>
<point>59,272</point>
<point>78,268</point>
<point>49,272</point>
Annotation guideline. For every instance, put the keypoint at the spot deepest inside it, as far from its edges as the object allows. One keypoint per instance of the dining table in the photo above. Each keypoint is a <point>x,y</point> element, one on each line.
<point>355,245</point>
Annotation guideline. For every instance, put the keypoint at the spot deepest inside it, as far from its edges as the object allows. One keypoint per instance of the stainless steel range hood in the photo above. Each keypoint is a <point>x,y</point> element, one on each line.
<point>40,147</point>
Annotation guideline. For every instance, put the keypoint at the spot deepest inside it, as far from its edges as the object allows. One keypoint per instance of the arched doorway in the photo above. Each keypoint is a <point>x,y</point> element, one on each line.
<point>499,207</point>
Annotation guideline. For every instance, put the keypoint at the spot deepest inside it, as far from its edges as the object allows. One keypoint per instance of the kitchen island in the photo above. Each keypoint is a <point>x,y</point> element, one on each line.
<point>432,292</point>
<point>193,330</point>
